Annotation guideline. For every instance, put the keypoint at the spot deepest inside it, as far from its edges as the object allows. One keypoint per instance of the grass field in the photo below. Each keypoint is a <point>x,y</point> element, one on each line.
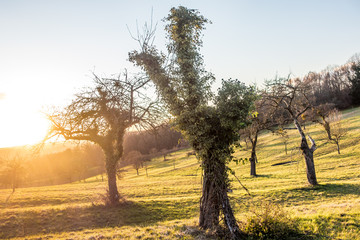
<point>164,204</point>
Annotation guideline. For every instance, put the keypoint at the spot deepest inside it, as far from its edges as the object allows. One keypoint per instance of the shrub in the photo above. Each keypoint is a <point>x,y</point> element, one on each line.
<point>270,221</point>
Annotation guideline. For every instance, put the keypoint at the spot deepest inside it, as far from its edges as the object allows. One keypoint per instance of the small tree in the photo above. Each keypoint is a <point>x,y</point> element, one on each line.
<point>338,131</point>
<point>293,96</point>
<point>330,119</point>
<point>135,158</point>
<point>284,136</point>
<point>260,119</point>
<point>13,172</point>
<point>102,114</point>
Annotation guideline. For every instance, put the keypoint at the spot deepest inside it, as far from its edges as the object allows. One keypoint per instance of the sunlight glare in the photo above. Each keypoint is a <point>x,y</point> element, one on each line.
<point>21,125</point>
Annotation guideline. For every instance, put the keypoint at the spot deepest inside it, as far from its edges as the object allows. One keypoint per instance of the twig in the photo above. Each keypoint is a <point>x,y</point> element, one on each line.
<point>241,183</point>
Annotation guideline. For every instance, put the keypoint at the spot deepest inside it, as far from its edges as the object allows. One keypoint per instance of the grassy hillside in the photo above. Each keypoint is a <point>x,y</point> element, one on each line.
<point>164,204</point>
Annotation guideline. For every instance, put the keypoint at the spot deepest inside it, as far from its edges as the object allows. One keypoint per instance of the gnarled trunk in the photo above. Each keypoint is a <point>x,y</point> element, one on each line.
<point>111,173</point>
<point>214,199</point>
<point>310,166</point>
<point>308,155</point>
<point>209,201</point>
<point>229,218</point>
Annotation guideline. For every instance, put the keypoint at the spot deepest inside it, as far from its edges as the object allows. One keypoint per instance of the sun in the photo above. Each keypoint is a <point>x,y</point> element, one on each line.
<point>21,125</point>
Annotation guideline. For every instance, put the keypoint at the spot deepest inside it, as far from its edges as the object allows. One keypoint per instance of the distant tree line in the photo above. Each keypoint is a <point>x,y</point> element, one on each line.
<point>338,85</point>
<point>156,140</point>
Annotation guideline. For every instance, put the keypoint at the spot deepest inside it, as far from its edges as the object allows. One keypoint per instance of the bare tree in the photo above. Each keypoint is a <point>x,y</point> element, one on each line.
<point>102,114</point>
<point>330,119</point>
<point>338,130</point>
<point>284,137</point>
<point>293,96</point>
<point>13,171</point>
<point>135,158</point>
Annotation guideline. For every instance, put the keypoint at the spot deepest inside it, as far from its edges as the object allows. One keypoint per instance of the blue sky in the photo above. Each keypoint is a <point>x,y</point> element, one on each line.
<point>48,48</point>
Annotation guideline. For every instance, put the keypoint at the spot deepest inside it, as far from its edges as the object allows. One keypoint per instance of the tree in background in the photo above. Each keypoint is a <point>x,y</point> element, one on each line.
<point>135,159</point>
<point>161,137</point>
<point>260,119</point>
<point>338,131</point>
<point>211,129</point>
<point>12,172</point>
<point>331,85</point>
<point>355,80</point>
<point>293,96</point>
<point>102,114</point>
<point>282,132</point>
<point>330,119</point>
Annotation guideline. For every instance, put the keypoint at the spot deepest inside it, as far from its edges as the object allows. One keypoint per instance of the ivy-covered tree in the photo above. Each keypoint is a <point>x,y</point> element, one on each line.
<point>211,129</point>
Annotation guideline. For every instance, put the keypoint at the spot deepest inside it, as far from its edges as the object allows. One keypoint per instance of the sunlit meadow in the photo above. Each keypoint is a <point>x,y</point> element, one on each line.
<point>164,204</point>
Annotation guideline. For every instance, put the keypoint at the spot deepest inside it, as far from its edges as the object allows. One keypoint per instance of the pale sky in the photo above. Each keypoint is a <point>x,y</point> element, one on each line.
<point>49,48</point>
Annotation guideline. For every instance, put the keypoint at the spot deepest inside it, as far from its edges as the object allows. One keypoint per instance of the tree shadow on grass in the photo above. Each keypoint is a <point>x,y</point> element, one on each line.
<point>54,220</point>
<point>314,193</point>
<point>264,175</point>
<point>332,189</point>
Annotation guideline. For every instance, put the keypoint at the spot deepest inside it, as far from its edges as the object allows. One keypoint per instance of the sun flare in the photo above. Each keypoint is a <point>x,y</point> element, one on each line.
<point>21,126</point>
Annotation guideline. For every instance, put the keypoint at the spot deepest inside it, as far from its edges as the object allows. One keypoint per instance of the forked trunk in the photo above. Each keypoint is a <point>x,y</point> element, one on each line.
<point>308,155</point>
<point>310,166</point>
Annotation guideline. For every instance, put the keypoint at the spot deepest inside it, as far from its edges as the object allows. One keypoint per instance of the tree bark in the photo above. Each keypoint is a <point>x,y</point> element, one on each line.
<point>253,159</point>
<point>252,167</point>
<point>338,146</point>
<point>308,155</point>
<point>310,166</point>
<point>230,220</point>
<point>111,173</point>
<point>214,198</point>
<point>209,202</point>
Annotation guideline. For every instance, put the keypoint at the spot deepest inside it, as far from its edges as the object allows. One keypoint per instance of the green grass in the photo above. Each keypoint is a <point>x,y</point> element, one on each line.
<point>165,204</point>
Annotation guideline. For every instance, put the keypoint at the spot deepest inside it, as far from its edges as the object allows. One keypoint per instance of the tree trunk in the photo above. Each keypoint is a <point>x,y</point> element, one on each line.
<point>310,166</point>
<point>252,167</point>
<point>229,218</point>
<point>111,172</point>
<point>308,155</point>
<point>209,202</point>
<point>338,146</point>
<point>253,159</point>
<point>214,198</point>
